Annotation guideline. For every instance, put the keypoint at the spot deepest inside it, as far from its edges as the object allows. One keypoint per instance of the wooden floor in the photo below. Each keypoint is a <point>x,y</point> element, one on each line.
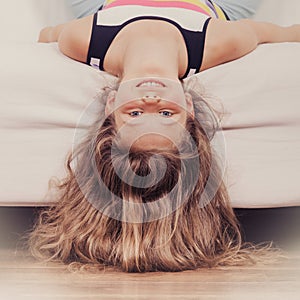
<point>22,278</point>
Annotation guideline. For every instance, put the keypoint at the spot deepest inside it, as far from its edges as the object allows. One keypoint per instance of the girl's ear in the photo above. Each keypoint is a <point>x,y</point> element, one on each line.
<point>109,106</point>
<point>190,104</point>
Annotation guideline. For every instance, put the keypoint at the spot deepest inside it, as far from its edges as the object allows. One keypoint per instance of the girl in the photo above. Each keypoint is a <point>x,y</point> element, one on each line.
<point>146,192</point>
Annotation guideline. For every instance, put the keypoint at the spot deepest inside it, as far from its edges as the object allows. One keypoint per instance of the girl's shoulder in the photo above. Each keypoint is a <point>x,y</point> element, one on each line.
<point>75,38</point>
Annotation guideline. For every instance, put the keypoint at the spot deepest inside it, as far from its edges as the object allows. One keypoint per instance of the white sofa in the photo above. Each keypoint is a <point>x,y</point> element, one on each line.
<point>44,93</point>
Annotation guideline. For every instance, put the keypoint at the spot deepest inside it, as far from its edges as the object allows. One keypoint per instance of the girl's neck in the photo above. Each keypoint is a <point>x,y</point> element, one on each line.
<point>149,60</point>
<point>149,54</point>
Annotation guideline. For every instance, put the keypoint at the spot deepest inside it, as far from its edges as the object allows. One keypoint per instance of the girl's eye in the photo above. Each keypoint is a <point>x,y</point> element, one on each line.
<point>135,113</point>
<point>166,113</point>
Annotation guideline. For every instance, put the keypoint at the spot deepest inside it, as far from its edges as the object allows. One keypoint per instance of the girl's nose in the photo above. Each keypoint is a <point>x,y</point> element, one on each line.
<point>151,98</point>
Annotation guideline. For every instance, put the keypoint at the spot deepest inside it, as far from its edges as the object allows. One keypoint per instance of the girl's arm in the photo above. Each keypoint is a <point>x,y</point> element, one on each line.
<point>73,38</point>
<point>51,34</point>
<point>229,40</point>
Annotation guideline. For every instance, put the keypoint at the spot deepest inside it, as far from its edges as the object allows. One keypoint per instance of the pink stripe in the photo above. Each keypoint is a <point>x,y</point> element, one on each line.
<point>176,4</point>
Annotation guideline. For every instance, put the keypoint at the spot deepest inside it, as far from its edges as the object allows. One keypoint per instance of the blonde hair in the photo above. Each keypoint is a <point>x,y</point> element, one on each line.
<point>90,226</point>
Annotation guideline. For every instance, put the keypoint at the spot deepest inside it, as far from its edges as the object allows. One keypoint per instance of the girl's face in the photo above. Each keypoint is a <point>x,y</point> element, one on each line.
<point>150,113</point>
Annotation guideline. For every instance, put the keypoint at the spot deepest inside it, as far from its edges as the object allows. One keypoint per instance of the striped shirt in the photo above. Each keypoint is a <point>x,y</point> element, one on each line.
<point>191,17</point>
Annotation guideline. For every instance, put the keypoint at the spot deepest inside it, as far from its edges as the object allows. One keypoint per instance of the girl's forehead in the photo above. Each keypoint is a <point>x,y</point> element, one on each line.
<point>147,136</point>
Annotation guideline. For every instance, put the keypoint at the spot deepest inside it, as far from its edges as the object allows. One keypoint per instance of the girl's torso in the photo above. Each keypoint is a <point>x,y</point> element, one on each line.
<point>184,22</point>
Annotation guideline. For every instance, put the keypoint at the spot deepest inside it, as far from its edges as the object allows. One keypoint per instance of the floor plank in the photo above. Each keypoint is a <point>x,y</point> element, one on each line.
<point>22,278</point>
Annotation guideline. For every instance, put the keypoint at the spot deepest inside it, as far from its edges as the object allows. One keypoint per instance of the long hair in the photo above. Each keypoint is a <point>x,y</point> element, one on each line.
<point>112,210</point>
